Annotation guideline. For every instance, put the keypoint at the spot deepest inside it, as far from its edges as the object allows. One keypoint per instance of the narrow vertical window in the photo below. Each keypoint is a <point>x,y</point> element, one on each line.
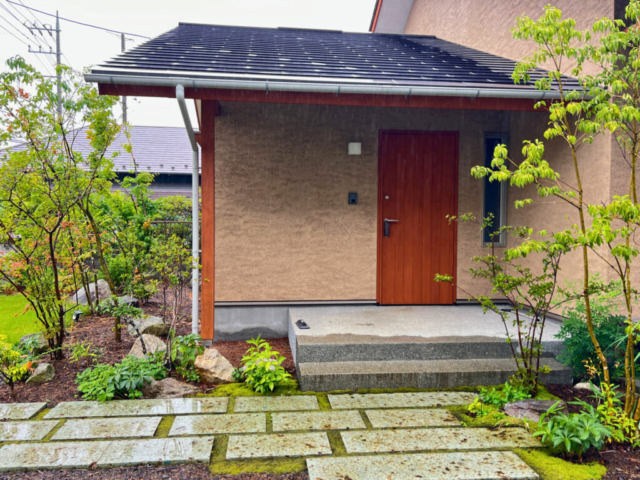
<point>495,193</point>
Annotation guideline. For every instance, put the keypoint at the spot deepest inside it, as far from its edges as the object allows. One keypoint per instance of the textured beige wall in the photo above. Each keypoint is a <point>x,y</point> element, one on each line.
<point>486,24</point>
<point>284,230</point>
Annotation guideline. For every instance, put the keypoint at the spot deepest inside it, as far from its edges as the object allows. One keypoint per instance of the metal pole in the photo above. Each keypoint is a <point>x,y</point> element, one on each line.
<point>124,99</point>
<point>58,69</point>
<point>195,212</point>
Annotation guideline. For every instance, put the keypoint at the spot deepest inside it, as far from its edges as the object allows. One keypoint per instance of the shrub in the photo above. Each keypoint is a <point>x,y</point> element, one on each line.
<point>84,351</point>
<point>623,428</point>
<point>184,351</point>
<point>13,368</point>
<point>572,435</point>
<point>262,367</point>
<point>122,380</point>
<point>607,326</point>
<point>509,393</point>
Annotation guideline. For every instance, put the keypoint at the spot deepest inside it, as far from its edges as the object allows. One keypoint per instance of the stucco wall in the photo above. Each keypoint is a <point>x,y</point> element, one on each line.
<point>486,24</point>
<point>284,230</point>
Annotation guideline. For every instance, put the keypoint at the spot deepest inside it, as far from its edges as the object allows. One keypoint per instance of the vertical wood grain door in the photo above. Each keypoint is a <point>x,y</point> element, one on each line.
<point>418,188</point>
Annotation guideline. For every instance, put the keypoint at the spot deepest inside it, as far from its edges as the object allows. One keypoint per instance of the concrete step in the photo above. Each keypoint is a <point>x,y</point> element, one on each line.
<point>329,376</point>
<point>350,348</point>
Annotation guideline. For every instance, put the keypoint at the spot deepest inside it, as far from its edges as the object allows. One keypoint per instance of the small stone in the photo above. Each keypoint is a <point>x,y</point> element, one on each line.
<point>80,296</point>
<point>168,388</point>
<point>152,343</point>
<point>39,344</point>
<point>43,373</point>
<point>150,325</point>
<point>585,386</point>
<point>530,409</point>
<point>213,368</point>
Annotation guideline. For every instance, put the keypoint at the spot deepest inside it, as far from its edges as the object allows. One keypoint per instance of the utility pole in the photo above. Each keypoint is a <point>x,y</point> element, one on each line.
<point>124,99</point>
<point>58,69</point>
<point>47,28</point>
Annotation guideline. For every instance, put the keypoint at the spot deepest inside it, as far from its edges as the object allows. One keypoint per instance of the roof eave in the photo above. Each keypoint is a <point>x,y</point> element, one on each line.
<point>328,87</point>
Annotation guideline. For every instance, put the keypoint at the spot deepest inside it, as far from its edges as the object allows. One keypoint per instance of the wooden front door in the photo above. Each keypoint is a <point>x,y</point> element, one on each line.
<point>418,188</point>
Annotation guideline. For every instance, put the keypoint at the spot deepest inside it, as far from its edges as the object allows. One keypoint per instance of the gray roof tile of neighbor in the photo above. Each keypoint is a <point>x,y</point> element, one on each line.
<point>195,51</point>
<point>156,149</point>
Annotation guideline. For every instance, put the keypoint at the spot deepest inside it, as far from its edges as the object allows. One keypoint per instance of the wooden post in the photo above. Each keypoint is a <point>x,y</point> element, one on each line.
<point>208,185</point>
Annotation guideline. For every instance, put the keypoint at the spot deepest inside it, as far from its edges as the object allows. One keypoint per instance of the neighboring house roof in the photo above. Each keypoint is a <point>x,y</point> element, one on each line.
<point>156,149</point>
<point>296,58</point>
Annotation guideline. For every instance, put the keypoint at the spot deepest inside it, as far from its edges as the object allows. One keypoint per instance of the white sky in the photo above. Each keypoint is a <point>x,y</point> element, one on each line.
<point>83,46</point>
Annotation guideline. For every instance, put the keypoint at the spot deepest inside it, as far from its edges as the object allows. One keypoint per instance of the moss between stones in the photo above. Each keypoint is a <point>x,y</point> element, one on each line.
<point>552,468</point>
<point>40,415</point>
<point>220,466</point>
<point>165,426</point>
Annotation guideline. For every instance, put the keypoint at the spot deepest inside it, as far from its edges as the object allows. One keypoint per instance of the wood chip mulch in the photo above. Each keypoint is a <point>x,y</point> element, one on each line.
<point>178,472</point>
<point>99,332</point>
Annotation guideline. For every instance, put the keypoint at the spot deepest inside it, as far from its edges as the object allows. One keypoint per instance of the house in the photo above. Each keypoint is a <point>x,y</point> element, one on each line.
<point>163,151</point>
<point>330,162</point>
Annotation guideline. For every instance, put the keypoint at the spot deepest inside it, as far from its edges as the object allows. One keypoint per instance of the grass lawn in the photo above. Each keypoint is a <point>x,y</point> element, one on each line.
<point>13,322</point>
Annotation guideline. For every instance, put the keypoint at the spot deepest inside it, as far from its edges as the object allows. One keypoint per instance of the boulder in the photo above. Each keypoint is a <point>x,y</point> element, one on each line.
<point>128,300</point>
<point>38,343</point>
<point>104,292</point>
<point>213,368</point>
<point>530,409</point>
<point>44,372</point>
<point>585,386</point>
<point>168,388</point>
<point>150,326</point>
<point>152,343</point>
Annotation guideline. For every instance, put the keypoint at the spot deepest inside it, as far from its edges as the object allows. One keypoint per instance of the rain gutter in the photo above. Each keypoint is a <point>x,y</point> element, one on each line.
<point>195,211</point>
<point>335,88</point>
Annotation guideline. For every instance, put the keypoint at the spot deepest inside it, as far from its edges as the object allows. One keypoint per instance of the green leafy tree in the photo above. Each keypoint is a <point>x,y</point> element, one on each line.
<point>42,183</point>
<point>607,102</point>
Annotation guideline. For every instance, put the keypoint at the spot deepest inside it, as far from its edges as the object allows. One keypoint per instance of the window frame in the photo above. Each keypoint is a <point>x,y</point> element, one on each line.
<point>502,221</point>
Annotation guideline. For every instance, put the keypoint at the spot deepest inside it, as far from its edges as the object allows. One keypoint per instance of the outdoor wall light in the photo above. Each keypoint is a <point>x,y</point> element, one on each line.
<point>355,148</point>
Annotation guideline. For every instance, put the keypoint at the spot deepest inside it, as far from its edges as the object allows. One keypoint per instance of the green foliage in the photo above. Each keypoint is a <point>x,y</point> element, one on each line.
<point>532,293</point>
<point>262,367</point>
<point>84,351</point>
<point>171,262</point>
<point>573,434</point>
<point>184,350</point>
<point>13,367</point>
<point>612,414</point>
<point>43,185</point>
<point>507,394</point>
<point>608,326</point>
<point>122,380</point>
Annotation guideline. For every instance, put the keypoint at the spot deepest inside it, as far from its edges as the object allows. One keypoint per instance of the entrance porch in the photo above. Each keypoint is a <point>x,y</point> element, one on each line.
<point>353,347</point>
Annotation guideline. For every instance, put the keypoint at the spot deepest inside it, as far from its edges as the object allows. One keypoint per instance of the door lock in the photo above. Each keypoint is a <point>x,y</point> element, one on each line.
<point>387,225</point>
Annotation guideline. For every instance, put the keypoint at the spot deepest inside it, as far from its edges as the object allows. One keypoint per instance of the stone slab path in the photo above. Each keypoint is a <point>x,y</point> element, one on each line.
<point>362,437</point>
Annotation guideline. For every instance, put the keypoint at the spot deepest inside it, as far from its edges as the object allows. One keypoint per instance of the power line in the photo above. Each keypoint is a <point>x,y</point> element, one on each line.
<point>74,21</point>
<point>35,38</point>
<point>12,34</point>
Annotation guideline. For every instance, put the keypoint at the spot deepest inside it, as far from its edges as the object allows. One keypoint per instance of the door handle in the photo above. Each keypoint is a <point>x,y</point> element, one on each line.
<point>387,225</point>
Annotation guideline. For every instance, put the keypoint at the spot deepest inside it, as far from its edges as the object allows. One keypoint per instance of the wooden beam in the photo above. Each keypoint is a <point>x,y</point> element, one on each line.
<point>208,233</point>
<point>348,99</point>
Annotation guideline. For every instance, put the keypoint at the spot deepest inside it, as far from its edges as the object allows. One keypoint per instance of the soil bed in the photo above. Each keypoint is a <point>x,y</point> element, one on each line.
<point>178,472</point>
<point>99,332</point>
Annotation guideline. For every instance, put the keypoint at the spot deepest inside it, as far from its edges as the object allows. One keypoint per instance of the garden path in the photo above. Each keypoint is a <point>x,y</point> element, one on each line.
<point>356,436</point>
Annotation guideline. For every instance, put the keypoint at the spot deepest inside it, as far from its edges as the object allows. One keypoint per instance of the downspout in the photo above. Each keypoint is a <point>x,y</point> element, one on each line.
<point>195,212</point>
